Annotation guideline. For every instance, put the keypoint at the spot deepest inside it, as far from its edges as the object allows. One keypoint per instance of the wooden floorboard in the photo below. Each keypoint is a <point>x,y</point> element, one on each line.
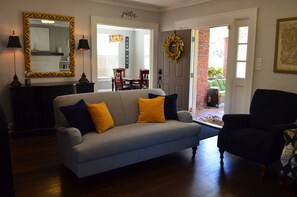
<point>38,172</point>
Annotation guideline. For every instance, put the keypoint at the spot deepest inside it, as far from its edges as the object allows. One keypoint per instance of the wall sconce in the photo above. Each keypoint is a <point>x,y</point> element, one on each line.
<point>116,38</point>
<point>82,46</point>
<point>14,42</point>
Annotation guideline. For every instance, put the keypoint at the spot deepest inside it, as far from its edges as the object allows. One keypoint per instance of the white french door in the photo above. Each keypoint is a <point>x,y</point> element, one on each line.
<point>238,88</point>
<point>242,79</point>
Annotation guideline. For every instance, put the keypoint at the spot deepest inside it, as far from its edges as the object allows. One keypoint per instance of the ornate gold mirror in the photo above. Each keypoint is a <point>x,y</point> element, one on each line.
<point>49,45</point>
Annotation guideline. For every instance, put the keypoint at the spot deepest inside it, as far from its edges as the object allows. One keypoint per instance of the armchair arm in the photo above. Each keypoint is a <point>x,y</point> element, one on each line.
<point>236,121</point>
<point>276,141</point>
<point>185,116</point>
<point>282,127</point>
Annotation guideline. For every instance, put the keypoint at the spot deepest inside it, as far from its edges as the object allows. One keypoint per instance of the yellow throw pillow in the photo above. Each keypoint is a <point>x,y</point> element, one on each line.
<point>151,110</point>
<point>100,116</point>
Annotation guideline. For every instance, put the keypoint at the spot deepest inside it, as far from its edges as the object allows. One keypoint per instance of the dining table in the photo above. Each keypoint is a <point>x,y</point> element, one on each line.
<point>129,80</point>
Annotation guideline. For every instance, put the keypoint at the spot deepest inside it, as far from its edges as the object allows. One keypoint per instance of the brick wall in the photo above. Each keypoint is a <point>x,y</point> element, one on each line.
<point>202,67</point>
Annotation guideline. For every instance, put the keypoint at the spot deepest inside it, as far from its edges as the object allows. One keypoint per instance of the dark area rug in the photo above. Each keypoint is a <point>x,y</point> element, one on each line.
<point>208,131</point>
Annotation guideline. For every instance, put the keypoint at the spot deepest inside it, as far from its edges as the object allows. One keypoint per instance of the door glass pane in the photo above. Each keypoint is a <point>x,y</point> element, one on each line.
<point>241,52</point>
<point>240,69</point>
<point>243,34</point>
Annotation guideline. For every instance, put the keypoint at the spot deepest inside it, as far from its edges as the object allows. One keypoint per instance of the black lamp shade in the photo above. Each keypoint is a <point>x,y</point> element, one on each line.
<point>83,44</point>
<point>14,42</point>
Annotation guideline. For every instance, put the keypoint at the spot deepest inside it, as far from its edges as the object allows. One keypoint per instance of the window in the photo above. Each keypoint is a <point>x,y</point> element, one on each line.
<point>107,56</point>
<point>146,55</point>
<point>242,45</point>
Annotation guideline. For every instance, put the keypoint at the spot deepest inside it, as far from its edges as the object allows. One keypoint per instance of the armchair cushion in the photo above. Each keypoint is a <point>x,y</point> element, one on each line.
<point>271,107</point>
<point>252,139</point>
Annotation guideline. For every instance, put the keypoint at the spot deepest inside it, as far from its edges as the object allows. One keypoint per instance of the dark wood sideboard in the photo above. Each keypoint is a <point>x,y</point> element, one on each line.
<point>32,106</point>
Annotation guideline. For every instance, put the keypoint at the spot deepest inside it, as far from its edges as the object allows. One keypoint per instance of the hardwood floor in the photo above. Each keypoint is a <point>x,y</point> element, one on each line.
<point>39,173</point>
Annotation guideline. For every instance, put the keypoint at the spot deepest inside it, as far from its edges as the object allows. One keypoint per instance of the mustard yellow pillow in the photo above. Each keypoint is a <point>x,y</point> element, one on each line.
<point>100,116</point>
<point>151,110</point>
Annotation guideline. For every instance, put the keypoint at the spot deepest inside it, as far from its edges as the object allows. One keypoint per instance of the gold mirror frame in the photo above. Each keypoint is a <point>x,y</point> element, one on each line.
<point>27,45</point>
<point>176,41</point>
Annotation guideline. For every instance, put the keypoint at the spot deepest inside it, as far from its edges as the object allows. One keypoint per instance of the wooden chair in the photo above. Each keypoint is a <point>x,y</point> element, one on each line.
<point>119,82</point>
<point>143,83</point>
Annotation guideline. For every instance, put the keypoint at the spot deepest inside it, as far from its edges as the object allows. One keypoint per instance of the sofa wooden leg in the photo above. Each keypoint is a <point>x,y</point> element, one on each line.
<point>194,152</point>
<point>221,156</point>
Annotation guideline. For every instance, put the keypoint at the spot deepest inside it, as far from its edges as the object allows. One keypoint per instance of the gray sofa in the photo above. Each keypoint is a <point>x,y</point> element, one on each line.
<point>128,142</point>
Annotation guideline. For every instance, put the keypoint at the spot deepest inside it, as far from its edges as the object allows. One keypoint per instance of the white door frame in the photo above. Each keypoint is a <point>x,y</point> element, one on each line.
<point>154,27</point>
<point>229,19</point>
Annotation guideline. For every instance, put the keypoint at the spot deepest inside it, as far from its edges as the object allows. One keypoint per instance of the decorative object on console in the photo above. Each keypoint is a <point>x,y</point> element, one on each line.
<point>82,46</point>
<point>14,42</point>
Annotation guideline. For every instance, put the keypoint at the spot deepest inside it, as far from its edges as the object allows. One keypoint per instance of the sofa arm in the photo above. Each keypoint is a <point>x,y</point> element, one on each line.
<point>236,121</point>
<point>70,136</point>
<point>185,116</point>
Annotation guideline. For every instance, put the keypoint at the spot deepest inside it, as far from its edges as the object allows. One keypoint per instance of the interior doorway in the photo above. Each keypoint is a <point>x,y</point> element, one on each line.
<point>210,60</point>
<point>121,47</point>
<point>122,27</point>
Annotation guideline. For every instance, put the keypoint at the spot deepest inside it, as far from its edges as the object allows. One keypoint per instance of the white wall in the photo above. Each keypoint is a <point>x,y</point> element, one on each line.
<point>11,18</point>
<point>268,12</point>
<point>139,52</point>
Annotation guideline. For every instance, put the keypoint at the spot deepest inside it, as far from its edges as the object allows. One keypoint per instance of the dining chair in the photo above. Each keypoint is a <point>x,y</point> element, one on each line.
<point>119,81</point>
<point>143,82</point>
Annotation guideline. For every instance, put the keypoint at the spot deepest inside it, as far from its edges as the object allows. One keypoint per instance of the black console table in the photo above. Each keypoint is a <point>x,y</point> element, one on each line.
<point>32,106</point>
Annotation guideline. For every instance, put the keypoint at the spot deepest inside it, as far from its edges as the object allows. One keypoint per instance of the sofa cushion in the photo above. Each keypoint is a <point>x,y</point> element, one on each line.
<point>78,116</point>
<point>151,110</point>
<point>170,111</point>
<point>100,116</point>
<point>129,100</point>
<point>215,83</point>
<point>221,84</point>
<point>126,138</point>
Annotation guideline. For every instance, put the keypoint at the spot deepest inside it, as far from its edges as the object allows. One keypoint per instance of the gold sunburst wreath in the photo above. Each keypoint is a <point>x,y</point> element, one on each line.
<point>173,41</point>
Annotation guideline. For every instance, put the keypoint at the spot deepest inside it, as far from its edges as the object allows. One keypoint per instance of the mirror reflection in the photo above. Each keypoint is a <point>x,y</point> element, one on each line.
<point>49,45</point>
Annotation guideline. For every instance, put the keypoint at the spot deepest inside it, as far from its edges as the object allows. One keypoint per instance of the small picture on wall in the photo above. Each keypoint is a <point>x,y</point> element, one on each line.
<point>127,52</point>
<point>285,58</point>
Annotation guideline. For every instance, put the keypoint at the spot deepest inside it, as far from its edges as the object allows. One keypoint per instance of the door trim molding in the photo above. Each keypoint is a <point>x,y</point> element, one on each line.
<point>154,27</point>
<point>228,19</point>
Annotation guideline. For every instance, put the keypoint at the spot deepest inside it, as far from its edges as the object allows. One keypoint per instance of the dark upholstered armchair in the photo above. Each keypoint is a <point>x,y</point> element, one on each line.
<point>258,136</point>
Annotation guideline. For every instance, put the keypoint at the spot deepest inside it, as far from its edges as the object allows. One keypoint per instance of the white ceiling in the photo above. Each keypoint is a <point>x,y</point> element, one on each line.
<point>153,5</point>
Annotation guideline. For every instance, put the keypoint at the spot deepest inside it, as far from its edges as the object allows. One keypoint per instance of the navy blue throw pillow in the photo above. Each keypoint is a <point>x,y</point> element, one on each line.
<point>170,111</point>
<point>78,116</point>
